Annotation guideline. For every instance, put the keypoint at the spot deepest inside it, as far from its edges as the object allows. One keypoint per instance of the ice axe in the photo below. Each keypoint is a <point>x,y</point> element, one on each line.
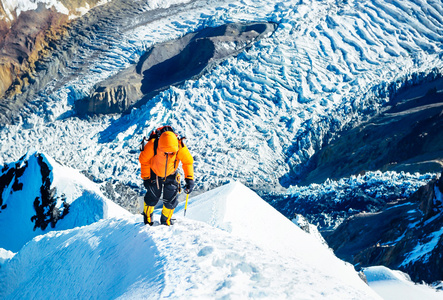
<point>186,204</point>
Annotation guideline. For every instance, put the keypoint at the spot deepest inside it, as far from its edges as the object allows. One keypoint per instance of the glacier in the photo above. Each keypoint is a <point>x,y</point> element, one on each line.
<point>256,117</point>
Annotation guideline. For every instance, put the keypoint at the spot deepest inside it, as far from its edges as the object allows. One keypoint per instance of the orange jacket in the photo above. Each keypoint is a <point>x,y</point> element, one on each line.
<point>170,152</point>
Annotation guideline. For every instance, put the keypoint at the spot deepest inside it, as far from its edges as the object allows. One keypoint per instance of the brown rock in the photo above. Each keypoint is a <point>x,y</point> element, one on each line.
<point>170,64</point>
<point>25,42</point>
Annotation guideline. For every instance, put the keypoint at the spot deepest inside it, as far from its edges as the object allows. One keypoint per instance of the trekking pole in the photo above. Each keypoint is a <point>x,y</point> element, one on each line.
<point>186,204</point>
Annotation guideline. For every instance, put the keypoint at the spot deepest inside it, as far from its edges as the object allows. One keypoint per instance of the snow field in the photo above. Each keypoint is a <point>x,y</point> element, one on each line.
<point>99,261</point>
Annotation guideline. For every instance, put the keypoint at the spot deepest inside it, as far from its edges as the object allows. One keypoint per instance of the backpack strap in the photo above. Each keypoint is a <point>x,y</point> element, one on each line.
<point>155,146</point>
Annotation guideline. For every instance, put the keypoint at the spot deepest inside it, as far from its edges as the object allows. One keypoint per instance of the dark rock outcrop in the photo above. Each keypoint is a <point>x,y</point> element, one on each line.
<point>407,136</point>
<point>45,202</point>
<point>171,63</point>
<point>123,195</point>
<point>405,235</point>
<point>45,205</point>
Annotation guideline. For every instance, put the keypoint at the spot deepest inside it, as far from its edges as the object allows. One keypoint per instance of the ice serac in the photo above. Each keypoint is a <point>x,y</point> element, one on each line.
<point>171,63</point>
<point>38,195</point>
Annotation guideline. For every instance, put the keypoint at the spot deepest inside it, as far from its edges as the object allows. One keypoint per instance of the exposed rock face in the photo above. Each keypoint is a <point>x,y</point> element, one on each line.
<point>406,235</point>
<point>25,41</point>
<point>408,136</point>
<point>123,195</point>
<point>48,209</point>
<point>171,63</point>
<point>114,95</point>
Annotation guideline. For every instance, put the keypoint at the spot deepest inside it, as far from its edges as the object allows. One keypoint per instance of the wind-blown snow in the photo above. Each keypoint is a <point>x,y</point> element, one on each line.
<point>121,258</point>
<point>257,115</point>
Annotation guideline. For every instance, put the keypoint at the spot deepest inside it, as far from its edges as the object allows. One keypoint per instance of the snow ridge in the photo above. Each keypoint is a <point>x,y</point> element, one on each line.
<point>258,115</point>
<point>393,284</point>
<point>121,258</point>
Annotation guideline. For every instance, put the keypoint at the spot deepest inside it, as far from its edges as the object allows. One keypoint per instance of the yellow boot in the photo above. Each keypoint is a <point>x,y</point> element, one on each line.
<point>165,219</point>
<point>148,213</point>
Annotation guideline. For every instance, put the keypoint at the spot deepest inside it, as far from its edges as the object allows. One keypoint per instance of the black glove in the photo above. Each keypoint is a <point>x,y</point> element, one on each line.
<point>189,185</point>
<point>146,183</point>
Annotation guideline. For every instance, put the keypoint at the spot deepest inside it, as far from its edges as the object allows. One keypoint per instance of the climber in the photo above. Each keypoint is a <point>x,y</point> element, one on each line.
<point>159,160</point>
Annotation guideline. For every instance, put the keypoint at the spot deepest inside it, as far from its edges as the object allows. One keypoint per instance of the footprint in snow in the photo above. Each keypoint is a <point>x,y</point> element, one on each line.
<point>206,251</point>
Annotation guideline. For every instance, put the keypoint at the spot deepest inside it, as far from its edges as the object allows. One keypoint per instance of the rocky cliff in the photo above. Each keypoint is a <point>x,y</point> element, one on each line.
<point>27,40</point>
<point>406,136</point>
<point>28,36</point>
<point>406,234</point>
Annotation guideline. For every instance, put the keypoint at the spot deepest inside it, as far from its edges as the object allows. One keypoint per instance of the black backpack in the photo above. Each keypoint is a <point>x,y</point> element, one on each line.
<point>155,134</point>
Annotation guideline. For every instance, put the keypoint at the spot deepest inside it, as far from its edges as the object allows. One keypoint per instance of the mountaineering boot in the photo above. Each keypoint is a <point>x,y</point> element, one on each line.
<point>148,213</point>
<point>165,219</point>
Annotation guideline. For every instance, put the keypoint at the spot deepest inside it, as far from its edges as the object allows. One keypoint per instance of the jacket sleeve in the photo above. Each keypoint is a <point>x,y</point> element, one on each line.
<point>188,162</point>
<point>145,159</point>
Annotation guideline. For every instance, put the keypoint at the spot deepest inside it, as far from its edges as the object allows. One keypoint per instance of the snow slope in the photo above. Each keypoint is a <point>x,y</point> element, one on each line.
<point>87,204</point>
<point>238,210</point>
<point>256,116</point>
<point>232,254</point>
<point>391,284</point>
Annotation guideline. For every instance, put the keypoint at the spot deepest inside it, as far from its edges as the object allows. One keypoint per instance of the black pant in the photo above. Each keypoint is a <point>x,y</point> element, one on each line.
<point>154,187</point>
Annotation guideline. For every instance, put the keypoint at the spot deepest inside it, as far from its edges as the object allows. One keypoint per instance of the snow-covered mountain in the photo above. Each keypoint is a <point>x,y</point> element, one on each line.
<point>259,117</point>
<point>38,195</point>
<point>231,244</point>
<point>405,234</point>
